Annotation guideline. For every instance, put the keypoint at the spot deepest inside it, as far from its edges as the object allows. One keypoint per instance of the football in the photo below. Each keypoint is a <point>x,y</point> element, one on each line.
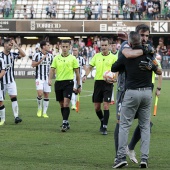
<point>109,76</point>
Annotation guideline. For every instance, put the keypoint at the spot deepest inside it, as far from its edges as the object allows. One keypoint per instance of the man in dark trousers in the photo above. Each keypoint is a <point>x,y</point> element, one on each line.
<point>137,98</point>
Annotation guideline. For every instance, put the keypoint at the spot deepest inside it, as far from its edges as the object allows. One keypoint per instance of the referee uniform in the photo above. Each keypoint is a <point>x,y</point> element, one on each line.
<point>64,68</point>
<point>102,89</point>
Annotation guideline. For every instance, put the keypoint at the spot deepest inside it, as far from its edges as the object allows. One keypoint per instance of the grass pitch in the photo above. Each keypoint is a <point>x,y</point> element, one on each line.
<point>37,143</point>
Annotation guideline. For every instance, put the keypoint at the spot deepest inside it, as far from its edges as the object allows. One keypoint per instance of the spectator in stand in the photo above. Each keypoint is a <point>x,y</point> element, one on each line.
<point>25,12</point>
<point>96,11</point>
<point>96,47</point>
<point>7,7</point>
<point>100,11</point>
<point>83,53</point>
<point>116,12</point>
<point>53,11</point>
<point>139,11</point>
<point>132,10</point>
<point>2,3</point>
<point>89,14</point>
<point>162,47</point>
<point>86,12</point>
<point>89,42</point>
<point>150,12</point>
<point>108,11</point>
<point>32,11</point>
<point>73,10</point>
<point>80,2</point>
<point>49,10</point>
<point>125,9</point>
<point>144,6</point>
<point>155,10</point>
<point>122,3</point>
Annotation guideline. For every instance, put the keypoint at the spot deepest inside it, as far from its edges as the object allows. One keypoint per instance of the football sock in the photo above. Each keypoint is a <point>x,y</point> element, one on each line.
<point>15,108</point>
<point>62,111</point>
<point>2,113</point>
<point>112,99</point>
<point>39,102</point>
<point>66,112</point>
<point>116,137</point>
<point>45,105</point>
<point>106,117</point>
<point>73,99</point>
<point>100,115</point>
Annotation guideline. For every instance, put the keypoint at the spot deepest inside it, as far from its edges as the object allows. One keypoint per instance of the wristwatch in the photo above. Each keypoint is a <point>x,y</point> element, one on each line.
<point>78,86</point>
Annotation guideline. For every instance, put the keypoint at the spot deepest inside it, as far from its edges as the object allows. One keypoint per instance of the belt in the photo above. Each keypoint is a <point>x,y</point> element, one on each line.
<point>142,89</point>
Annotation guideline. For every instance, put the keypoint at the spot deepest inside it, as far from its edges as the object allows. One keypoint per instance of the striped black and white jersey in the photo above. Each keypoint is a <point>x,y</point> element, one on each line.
<point>81,62</point>
<point>2,67</point>
<point>9,66</point>
<point>42,70</point>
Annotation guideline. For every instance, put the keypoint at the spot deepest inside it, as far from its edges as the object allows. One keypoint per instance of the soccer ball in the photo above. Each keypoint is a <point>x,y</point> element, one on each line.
<point>109,76</point>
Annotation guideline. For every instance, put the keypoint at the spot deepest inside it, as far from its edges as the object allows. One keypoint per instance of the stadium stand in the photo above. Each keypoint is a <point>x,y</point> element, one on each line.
<point>63,9</point>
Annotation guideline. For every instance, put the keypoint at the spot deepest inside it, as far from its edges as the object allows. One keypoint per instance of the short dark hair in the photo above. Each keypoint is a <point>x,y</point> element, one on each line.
<point>142,27</point>
<point>43,43</point>
<point>105,39</point>
<point>66,41</point>
<point>113,42</point>
<point>134,38</point>
<point>7,40</point>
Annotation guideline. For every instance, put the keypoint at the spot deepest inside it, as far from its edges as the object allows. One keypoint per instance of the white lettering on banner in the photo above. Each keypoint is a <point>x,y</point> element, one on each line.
<point>30,73</point>
<point>118,26</point>
<point>160,27</point>
<point>48,25</point>
<point>19,73</point>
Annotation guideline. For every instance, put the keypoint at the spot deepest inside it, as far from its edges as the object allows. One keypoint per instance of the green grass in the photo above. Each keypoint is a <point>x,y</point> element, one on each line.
<point>37,143</point>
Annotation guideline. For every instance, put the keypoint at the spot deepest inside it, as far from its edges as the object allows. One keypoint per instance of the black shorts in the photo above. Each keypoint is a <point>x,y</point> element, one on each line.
<point>63,89</point>
<point>102,92</point>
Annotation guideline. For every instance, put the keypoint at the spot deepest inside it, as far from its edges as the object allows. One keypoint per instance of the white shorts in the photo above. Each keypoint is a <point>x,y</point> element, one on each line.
<point>42,85</point>
<point>11,88</point>
<point>1,95</point>
<point>75,83</point>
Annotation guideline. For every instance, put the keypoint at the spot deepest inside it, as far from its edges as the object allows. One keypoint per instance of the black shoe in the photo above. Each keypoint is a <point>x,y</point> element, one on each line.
<point>104,131</point>
<point>64,127</point>
<point>18,120</point>
<point>144,163</point>
<point>68,125</point>
<point>119,163</point>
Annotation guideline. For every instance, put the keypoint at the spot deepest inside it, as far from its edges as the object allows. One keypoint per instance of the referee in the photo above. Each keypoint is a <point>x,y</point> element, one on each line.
<point>102,90</point>
<point>64,65</point>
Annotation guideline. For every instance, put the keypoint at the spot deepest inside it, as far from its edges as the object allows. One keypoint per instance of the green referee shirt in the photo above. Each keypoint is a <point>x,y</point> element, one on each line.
<point>64,67</point>
<point>102,64</point>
